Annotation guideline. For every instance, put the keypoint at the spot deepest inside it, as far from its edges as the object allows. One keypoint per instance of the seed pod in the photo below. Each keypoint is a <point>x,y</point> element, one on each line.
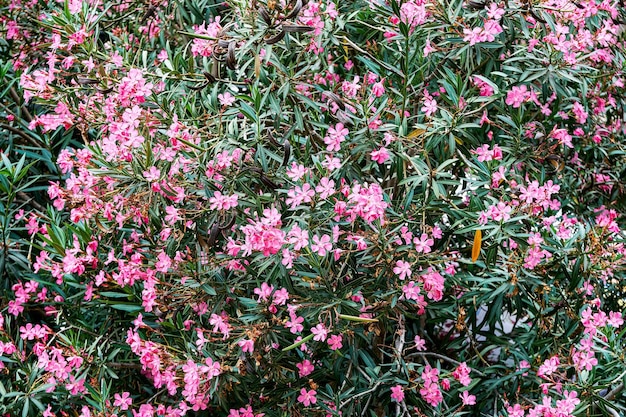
<point>198,87</point>
<point>230,56</point>
<point>275,39</point>
<point>104,90</point>
<point>149,13</point>
<point>478,239</point>
<point>265,16</point>
<point>267,182</point>
<point>536,16</point>
<point>86,81</point>
<point>287,152</point>
<point>230,223</point>
<point>217,53</point>
<point>298,28</point>
<point>272,138</point>
<point>215,229</point>
<point>209,77</point>
<point>296,9</point>
<point>556,161</point>
<point>336,99</point>
<point>475,5</point>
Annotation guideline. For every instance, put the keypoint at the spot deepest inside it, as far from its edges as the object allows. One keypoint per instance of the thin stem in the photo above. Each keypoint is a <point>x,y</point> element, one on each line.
<point>17,100</point>
<point>20,133</point>
<point>442,357</point>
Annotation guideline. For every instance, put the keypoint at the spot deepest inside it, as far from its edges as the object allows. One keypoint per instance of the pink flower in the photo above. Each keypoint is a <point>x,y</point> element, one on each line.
<point>402,269</point>
<point>264,292</point>
<point>280,297</point>
<point>420,344</point>
<point>428,48</point>
<point>615,319</point>
<point>431,393</point>
<point>294,324</point>
<point>430,106</point>
<point>423,244</point>
<point>378,89</point>
<point>246,345</point>
<point>122,401</point>
<point>380,156</point>
<point>467,398</point>
<point>325,188</point>
<point>321,245</point>
<point>515,411</point>
<point>474,36</point>
<point>172,215</point>
<point>334,342</point>
<point>320,332</point>
<point>397,394</point>
<point>411,291</point>
<point>307,397</point>
<point>461,374</point>
<point>305,368</point>
<point>223,202</point>
<point>549,366</point>
<point>226,99</point>
<point>335,136</point>
<point>152,174</point>
<point>517,95</point>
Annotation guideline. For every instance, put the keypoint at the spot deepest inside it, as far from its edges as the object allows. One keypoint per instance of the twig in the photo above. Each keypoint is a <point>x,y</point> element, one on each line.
<point>399,345</point>
<point>18,100</point>
<point>20,133</point>
<point>442,357</point>
<point>609,396</point>
<point>31,201</point>
<point>123,365</point>
<point>360,394</point>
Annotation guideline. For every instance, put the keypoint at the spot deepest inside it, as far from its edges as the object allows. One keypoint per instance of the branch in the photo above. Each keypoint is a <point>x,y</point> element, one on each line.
<point>442,357</point>
<point>609,396</point>
<point>123,365</point>
<point>31,201</point>
<point>20,133</point>
<point>18,100</point>
<point>360,394</point>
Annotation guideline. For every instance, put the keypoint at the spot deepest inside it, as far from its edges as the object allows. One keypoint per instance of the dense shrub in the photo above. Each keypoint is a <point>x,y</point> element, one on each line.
<point>313,208</point>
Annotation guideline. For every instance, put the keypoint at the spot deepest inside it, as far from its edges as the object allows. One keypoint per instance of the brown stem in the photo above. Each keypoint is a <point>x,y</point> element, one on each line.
<point>18,100</point>
<point>31,201</point>
<point>442,357</point>
<point>20,133</point>
<point>614,392</point>
<point>123,365</point>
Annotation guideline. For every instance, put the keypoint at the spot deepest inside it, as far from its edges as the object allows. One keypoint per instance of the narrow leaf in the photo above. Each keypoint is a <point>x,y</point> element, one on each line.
<point>478,239</point>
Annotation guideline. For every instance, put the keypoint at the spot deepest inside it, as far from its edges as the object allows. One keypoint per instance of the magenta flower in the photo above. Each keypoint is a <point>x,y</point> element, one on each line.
<point>305,368</point>
<point>380,156</point>
<point>467,398</point>
<point>402,269</point>
<point>320,332</point>
<point>226,99</point>
<point>294,324</point>
<point>334,342</point>
<point>397,394</point>
<point>122,401</point>
<point>307,397</point>
<point>246,345</point>
<point>430,106</point>
<point>517,95</point>
<point>321,245</point>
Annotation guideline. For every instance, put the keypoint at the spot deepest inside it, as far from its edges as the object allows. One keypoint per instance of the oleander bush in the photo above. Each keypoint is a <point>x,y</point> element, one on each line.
<point>312,208</point>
